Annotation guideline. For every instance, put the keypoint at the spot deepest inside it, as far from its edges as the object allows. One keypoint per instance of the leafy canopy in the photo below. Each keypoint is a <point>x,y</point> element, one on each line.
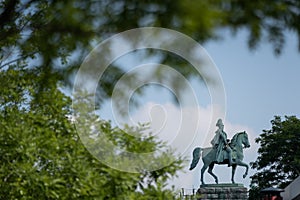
<point>42,156</point>
<point>51,30</point>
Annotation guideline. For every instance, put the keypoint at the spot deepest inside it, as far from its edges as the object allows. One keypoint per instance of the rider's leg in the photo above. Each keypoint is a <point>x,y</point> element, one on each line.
<point>229,151</point>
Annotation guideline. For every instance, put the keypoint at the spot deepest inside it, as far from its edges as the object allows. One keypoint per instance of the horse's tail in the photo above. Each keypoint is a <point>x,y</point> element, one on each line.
<point>196,157</point>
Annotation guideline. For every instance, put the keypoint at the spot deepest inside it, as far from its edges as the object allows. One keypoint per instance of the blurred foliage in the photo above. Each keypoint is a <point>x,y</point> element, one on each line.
<point>278,162</point>
<point>57,35</point>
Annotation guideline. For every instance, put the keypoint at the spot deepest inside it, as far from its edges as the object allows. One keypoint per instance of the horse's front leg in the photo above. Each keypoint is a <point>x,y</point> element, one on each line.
<point>232,173</point>
<point>246,172</point>
<point>240,163</point>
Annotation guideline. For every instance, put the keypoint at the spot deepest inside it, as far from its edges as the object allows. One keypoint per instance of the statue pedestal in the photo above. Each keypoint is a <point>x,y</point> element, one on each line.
<point>222,191</point>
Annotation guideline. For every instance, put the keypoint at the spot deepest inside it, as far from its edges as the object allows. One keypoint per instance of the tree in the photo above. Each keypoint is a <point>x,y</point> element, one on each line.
<point>278,162</point>
<point>42,156</point>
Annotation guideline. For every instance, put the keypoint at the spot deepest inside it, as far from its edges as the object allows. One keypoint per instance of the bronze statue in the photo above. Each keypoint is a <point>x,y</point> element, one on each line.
<point>222,152</point>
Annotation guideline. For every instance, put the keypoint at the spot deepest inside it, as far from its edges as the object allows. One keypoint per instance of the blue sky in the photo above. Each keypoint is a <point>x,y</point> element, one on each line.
<point>258,84</point>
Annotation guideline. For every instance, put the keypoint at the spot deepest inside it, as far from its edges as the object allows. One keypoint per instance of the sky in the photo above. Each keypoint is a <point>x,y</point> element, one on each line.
<point>258,85</point>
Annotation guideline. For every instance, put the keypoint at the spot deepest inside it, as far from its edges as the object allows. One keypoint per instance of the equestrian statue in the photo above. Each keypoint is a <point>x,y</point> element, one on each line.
<point>223,151</point>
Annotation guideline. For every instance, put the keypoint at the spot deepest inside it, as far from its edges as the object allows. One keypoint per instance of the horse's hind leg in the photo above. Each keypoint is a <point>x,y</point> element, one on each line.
<point>205,166</point>
<point>211,166</point>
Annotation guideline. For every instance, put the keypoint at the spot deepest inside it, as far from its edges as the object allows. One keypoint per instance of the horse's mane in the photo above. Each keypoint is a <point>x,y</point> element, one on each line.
<point>235,137</point>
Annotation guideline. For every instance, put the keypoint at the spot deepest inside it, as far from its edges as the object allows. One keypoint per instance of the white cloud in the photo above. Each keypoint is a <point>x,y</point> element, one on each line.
<point>189,127</point>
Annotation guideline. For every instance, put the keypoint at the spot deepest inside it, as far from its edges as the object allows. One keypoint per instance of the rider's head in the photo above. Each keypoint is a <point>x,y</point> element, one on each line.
<point>220,123</point>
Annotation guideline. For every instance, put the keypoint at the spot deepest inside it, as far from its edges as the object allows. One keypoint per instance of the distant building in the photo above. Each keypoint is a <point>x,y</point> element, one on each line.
<point>292,191</point>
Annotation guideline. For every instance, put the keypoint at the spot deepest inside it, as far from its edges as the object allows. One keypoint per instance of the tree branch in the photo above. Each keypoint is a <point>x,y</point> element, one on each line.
<point>17,59</point>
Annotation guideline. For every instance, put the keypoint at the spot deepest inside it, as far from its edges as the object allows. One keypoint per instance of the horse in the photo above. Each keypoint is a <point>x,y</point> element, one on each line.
<point>238,142</point>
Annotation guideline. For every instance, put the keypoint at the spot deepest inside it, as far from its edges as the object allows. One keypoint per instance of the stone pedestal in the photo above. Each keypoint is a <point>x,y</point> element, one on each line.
<point>222,191</point>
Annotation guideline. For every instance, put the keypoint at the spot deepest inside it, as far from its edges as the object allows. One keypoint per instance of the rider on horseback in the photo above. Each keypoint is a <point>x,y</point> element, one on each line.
<point>220,152</point>
<point>220,144</point>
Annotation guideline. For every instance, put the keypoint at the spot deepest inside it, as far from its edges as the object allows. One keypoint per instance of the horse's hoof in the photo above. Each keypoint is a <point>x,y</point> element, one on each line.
<point>217,182</point>
<point>245,175</point>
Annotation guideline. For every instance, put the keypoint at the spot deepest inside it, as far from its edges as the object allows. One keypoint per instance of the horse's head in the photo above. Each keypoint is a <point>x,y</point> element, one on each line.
<point>241,139</point>
<point>245,139</point>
